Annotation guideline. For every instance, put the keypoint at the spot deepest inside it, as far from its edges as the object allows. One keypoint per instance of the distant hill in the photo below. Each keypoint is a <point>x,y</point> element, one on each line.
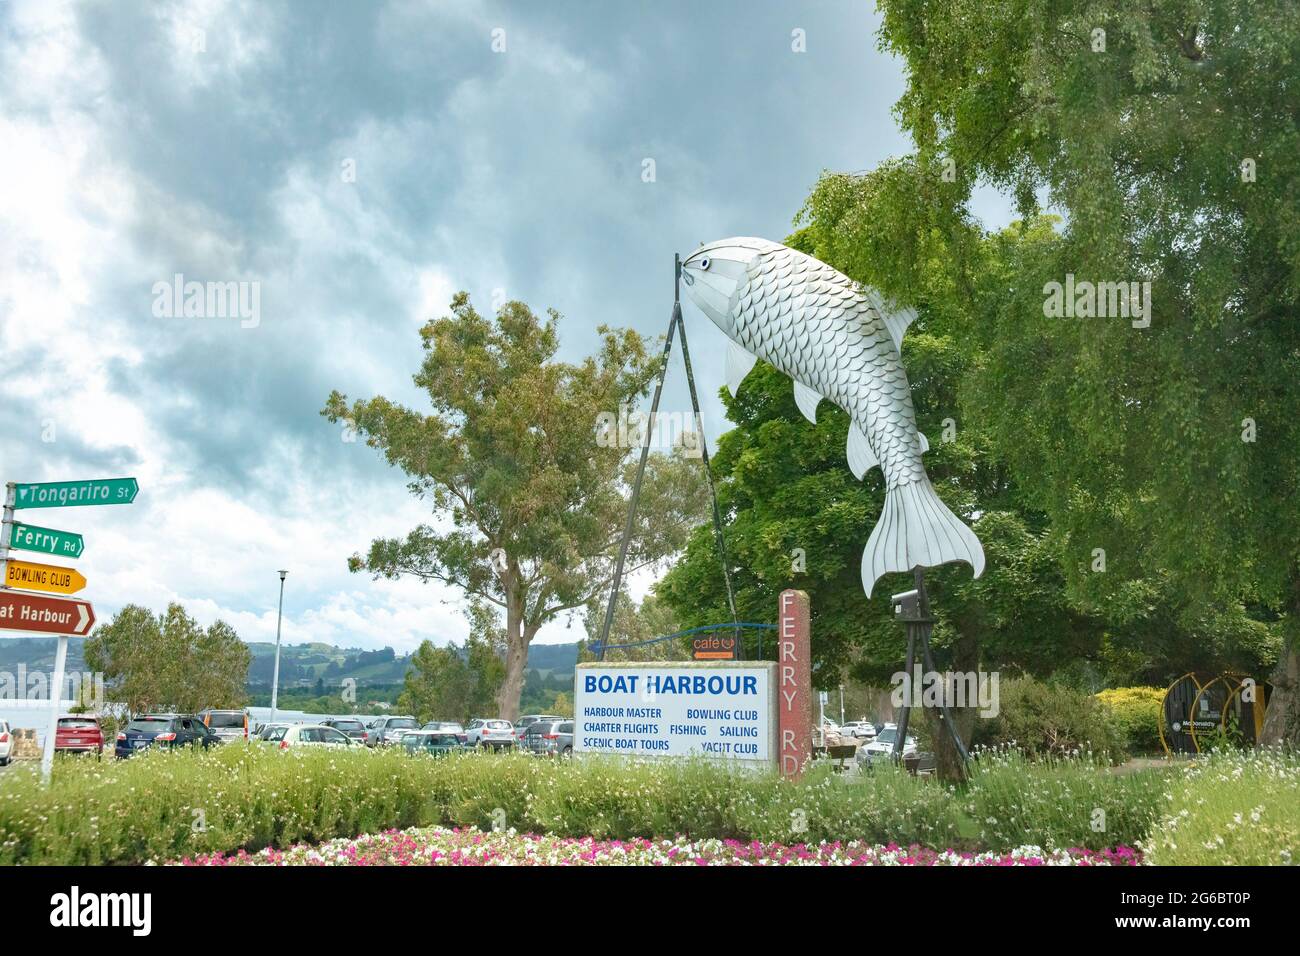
<point>303,664</point>
<point>560,658</point>
<point>37,654</point>
<point>300,664</point>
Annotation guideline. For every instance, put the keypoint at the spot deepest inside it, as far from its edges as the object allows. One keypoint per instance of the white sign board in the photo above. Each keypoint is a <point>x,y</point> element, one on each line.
<point>719,709</point>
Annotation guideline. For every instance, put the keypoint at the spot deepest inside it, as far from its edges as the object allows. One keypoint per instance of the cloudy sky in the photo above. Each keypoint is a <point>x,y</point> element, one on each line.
<point>360,162</point>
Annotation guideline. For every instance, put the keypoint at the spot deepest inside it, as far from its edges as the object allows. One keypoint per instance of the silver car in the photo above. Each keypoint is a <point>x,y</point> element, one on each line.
<point>385,731</point>
<point>228,725</point>
<point>551,738</point>
<point>490,732</point>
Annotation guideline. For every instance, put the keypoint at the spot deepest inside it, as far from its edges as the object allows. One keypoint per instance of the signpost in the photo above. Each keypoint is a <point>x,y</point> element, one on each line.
<point>35,614</point>
<point>68,494</point>
<point>794,700</point>
<point>43,577</point>
<point>27,537</point>
<point>32,613</point>
<point>709,647</point>
<point>721,709</point>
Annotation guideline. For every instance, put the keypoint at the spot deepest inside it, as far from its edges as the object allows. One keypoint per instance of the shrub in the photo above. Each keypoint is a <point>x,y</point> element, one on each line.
<point>1231,808</point>
<point>1060,803</point>
<point>1046,720</point>
<point>1135,712</point>
<point>165,805</point>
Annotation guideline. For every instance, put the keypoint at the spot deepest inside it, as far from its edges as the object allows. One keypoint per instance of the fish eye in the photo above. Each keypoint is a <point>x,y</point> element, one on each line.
<point>704,263</point>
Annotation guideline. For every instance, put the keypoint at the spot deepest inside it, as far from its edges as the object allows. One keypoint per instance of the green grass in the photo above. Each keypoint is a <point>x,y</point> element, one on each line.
<point>1231,809</point>
<point>1061,803</point>
<point>163,805</point>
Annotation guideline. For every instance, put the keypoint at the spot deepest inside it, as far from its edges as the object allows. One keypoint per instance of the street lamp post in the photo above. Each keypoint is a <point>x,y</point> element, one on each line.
<point>275,676</point>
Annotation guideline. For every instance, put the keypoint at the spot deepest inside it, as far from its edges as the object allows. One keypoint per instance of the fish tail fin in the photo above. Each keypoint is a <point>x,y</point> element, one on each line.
<point>917,528</point>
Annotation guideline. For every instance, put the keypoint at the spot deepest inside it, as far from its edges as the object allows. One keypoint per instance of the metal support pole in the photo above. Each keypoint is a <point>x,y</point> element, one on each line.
<point>275,676</point>
<point>708,474</point>
<point>7,524</point>
<point>56,699</point>
<point>919,629</point>
<point>640,469</point>
<point>907,700</point>
<point>675,324</point>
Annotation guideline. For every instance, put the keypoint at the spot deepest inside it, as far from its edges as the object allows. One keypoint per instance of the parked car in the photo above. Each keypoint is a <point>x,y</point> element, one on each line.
<point>434,742</point>
<point>882,748</point>
<point>228,725</point>
<point>490,732</point>
<point>449,726</point>
<point>550,737</point>
<point>311,735</point>
<point>78,733</point>
<point>388,730</point>
<point>859,730</point>
<point>350,726</point>
<point>264,731</point>
<point>523,723</point>
<point>6,743</point>
<point>168,730</point>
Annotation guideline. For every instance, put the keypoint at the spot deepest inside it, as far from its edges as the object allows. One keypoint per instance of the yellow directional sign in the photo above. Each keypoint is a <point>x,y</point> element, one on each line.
<point>43,577</point>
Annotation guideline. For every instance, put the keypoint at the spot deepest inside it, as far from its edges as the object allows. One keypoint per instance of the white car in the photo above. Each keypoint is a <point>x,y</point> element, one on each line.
<point>882,748</point>
<point>312,735</point>
<point>6,743</point>
<point>490,732</point>
<point>859,729</point>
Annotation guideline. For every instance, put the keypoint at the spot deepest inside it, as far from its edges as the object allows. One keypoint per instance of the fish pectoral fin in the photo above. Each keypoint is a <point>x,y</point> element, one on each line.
<point>896,319</point>
<point>897,323</point>
<point>807,399</point>
<point>739,364</point>
<point>925,442</point>
<point>858,449</point>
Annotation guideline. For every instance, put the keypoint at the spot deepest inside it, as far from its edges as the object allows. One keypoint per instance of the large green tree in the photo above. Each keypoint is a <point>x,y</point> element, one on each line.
<point>1167,132</point>
<point>457,683</point>
<point>169,662</point>
<point>531,494</point>
<point>635,626</point>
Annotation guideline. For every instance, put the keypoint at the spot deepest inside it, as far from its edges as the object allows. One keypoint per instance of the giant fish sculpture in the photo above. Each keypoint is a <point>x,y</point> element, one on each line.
<point>840,341</point>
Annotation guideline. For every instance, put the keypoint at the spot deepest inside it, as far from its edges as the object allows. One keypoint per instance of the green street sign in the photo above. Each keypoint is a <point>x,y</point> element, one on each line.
<point>28,537</point>
<point>71,494</point>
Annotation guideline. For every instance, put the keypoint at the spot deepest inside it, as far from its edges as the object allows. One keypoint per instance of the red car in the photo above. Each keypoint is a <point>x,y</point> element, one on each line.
<point>79,734</point>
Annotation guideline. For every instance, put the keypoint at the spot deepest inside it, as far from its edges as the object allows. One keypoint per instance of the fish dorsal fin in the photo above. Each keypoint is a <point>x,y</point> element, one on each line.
<point>896,319</point>
<point>739,363</point>
<point>807,400</point>
<point>925,442</point>
<point>861,457</point>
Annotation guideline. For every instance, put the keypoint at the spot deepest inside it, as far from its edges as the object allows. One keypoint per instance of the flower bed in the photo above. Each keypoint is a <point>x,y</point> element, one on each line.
<point>437,846</point>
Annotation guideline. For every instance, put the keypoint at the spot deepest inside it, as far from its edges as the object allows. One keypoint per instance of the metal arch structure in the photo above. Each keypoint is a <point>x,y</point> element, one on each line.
<point>1185,716</point>
<point>1164,713</point>
<point>599,649</point>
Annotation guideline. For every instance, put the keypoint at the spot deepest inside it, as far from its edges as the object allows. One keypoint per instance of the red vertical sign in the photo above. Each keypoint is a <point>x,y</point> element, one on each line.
<point>794,683</point>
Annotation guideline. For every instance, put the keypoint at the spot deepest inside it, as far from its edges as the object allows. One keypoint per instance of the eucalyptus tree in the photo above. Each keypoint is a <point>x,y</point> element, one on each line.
<point>528,491</point>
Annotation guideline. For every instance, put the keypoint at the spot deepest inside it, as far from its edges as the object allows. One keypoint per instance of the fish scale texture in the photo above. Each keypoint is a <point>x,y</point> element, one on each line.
<point>812,323</point>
